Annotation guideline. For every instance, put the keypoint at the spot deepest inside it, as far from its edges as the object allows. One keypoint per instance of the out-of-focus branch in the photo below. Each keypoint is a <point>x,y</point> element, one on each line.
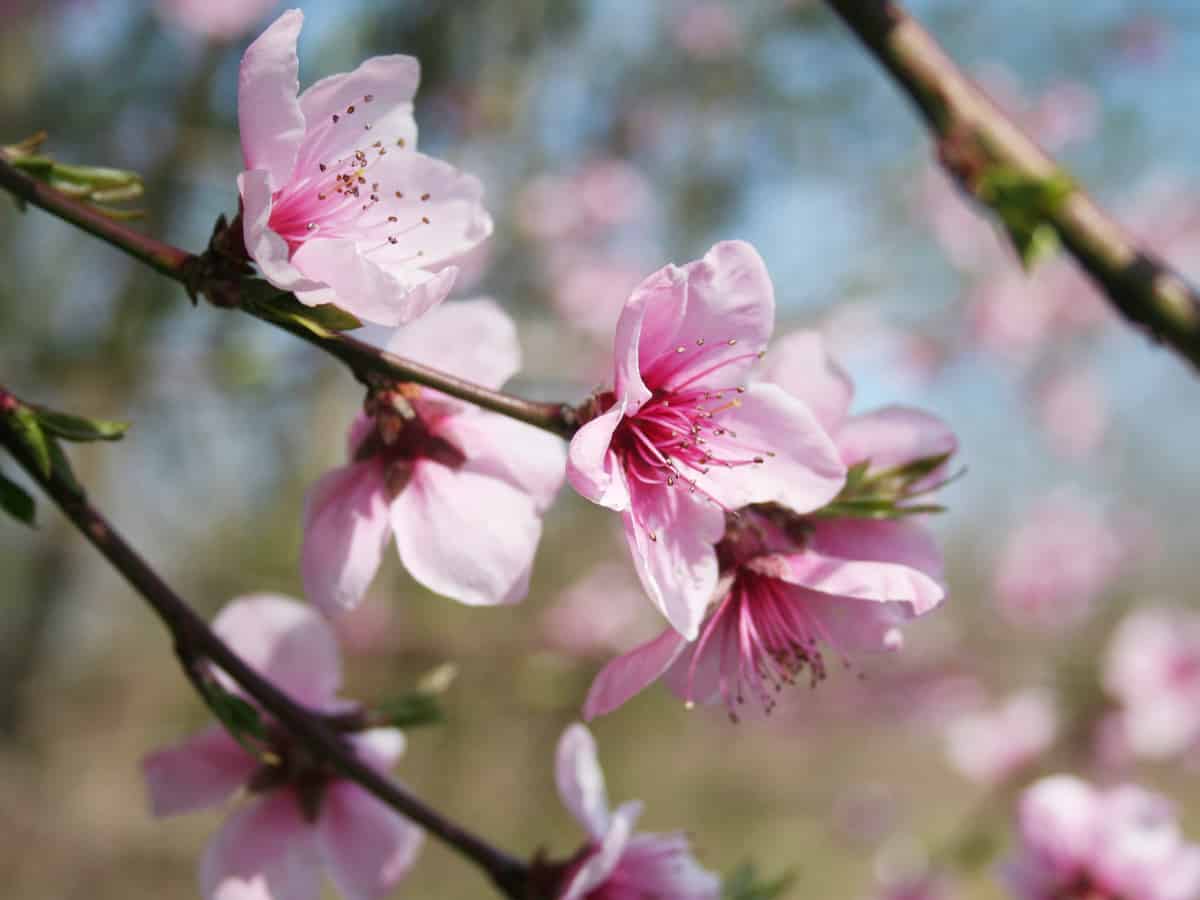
<point>972,132</point>
<point>194,640</point>
<point>369,363</point>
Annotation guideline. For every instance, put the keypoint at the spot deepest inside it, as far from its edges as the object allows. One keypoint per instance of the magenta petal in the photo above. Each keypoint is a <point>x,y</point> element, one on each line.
<point>529,459</point>
<point>902,541</point>
<point>581,781</point>
<point>269,117</point>
<point>851,625</point>
<point>367,847</point>
<point>465,535</point>
<point>287,642</point>
<point>201,771</point>
<point>473,339</point>
<point>662,865</point>
<point>651,303</point>
<point>268,250</point>
<point>880,582</point>
<point>632,672</point>
<point>264,851</point>
<point>592,468</point>
<point>346,526</point>
<point>607,856</point>
<point>800,469</point>
<point>672,537</point>
<point>800,364</point>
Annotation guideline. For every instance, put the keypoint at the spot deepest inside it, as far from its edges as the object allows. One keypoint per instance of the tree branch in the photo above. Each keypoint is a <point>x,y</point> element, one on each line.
<point>1145,290</point>
<point>194,639</point>
<point>364,360</point>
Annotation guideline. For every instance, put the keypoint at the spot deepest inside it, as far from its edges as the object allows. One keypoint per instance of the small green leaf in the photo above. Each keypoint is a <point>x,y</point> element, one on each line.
<point>412,710</point>
<point>323,320</point>
<point>1026,206</point>
<point>15,501</point>
<point>744,883</point>
<point>77,428</point>
<point>25,421</point>
<point>240,718</point>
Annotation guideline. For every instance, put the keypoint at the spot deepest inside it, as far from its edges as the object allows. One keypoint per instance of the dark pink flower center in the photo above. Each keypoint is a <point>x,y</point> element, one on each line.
<point>759,639</point>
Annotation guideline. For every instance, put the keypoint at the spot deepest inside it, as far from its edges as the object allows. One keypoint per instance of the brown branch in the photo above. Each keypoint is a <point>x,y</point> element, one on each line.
<point>1146,291</point>
<point>365,361</point>
<point>195,640</point>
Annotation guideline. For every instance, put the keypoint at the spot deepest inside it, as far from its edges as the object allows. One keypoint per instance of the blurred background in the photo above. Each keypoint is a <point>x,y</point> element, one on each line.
<point>614,136</point>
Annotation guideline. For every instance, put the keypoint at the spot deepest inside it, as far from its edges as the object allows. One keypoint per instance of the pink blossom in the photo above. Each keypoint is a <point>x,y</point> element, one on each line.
<point>222,20</point>
<point>708,30</point>
<point>587,289</point>
<point>616,863</point>
<point>680,440</point>
<point>1073,412</point>
<point>924,886</point>
<point>1075,841</point>
<point>1153,669</point>
<point>463,491</point>
<point>337,205</point>
<point>297,815</point>
<point>600,613</point>
<point>1057,562</point>
<point>788,587</point>
<point>990,746</point>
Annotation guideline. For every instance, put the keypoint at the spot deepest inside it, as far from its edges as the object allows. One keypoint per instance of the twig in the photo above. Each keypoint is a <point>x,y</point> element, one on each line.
<point>194,639</point>
<point>1145,290</point>
<point>363,359</point>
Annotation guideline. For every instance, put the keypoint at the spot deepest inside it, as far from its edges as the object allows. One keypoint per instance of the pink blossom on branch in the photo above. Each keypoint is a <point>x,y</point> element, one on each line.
<point>337,205</point>
<point>617,863</point>
<point>1075,841</point>
<point>461,490</point>
<point>297,816</point>
<point>792,588</point>
<point>680,440</point>
<point>990,746</point>
<point>223,20</point>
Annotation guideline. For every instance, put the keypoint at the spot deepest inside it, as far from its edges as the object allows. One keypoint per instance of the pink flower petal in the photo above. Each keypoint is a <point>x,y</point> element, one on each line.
<point>268,250</point>
<point>528,458</point>
<point>581,781</point>
<point>662,865</point>
<point>893,436</point>
<point>901,541</point>
<point>269,117</point>
<point>800,469</point>
<point>880,582</point>
<point>381,748</point>
<point>607,856</point>
<point>346,525</point>
<point>632,672</point>
<point>473,339</point>
<point>671,536</point>
<point>465,535</point>
<point>591,468</point>
<point>286,642</point>
<point>390,83</point>
<point>852,625</point>
<point>367,847</point>
<point>801,365</point>
<point>264,851</point>
<point>201,771</point>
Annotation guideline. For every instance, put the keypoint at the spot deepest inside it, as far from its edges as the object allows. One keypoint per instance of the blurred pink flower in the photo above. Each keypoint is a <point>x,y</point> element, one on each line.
<point>708,30</point>
<point>337,205</point>
<point>589,290</point>
<point>1153,670</point>
<point>1072,410</point>
<point>462,490</point>
<point>600,613</point>
<point>548,207</point>
<point>1075,841</point>
<point>1057,562</point>
<point>618,864</point>
<point>989,747</point>
<point>843,583</point>
<point>925,886</point>
<point>679,440</point>
<point>222,20</point>
<point>612,191</point>
<point>301,816</point>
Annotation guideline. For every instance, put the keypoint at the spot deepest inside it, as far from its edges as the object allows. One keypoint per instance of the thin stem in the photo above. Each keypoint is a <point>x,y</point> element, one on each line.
<point>1143,288</point>
<point>195,640</point>
<point>365,360</point>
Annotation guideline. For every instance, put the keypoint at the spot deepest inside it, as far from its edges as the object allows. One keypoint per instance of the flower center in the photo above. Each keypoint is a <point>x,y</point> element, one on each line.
<point>761,639</point>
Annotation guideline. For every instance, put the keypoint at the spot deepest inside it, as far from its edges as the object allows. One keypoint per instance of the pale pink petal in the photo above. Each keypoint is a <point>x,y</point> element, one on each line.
<point>473,339</point>
<point>269,117</point>
<point>651,307</point>
<point>286,642</point>
<point>672,535</point>
<point>801,365</point>
<point>607,856</point>
<point>367,847</point>
<point>800,467</point>
<point>381,748</point>
<point>852,625</point>
<point>894,436</point>
<point>632,672</point>
<point>264,851</point>
<point>367,289</point>
<point>1058,815</point>
<point>465,535</point>
<point>346,526</point>
<point>268,250</point>
<point>901,541</point>
<point>380,91</point>
<point>201,771</point>
<point>528,458</point>
<point>581,781</point>
<point>592,468</point>
<point>880,582</point>
<point>662,865</point>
